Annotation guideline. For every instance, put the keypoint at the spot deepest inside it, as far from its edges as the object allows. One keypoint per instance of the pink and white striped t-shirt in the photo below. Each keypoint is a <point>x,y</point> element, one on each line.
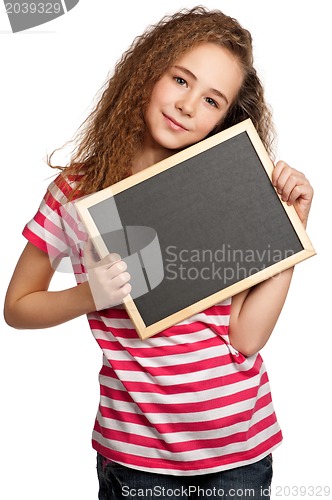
<point>183,402</point>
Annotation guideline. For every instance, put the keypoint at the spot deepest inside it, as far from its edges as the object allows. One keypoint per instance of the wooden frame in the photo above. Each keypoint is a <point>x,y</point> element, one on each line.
<point>142,180</point>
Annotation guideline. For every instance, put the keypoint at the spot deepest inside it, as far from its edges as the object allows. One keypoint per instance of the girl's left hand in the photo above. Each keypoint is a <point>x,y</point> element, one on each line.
<point>293,188</point>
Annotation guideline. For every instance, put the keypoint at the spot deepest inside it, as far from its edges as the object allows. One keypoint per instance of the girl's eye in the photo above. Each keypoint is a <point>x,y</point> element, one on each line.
<point>180,80</point>
<point>211,101</point>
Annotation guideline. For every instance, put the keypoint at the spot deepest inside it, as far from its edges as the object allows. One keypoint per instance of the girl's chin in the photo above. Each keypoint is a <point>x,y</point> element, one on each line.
<point>173,145</point>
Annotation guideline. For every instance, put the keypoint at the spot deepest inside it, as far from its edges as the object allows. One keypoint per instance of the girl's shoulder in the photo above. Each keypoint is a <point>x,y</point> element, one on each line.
<point>62,190</point>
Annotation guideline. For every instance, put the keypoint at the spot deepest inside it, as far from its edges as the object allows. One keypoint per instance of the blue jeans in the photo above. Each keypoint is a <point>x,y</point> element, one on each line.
<point>248,482</point>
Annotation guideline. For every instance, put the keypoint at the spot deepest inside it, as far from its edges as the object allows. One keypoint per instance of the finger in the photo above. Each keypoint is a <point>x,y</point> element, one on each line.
<point>115,269</point>
<point>120,280</point>
<point>283,175</point>
<point>288,178</point>
<point>120,294</point>
<point>290,184</point>
<point>279,167</point>
<point>303,191</point>
<point>110,260</point>
<point>105,262</point>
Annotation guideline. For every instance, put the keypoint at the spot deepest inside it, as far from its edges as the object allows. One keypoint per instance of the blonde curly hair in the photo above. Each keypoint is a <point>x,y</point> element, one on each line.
<point>109,138</point>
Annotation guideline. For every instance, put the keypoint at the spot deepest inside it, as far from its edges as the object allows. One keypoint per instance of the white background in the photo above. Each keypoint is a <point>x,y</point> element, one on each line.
<point>49,389</point>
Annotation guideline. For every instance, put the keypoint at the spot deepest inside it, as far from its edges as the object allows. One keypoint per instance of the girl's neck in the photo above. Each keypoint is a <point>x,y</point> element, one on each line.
<point>148,155</point>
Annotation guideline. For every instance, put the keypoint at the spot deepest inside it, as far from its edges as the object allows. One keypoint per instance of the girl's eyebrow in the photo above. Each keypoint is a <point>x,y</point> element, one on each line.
<point>194,77</point>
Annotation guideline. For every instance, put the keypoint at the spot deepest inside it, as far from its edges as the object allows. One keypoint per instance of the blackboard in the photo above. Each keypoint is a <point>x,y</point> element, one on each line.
<point>196,228</point>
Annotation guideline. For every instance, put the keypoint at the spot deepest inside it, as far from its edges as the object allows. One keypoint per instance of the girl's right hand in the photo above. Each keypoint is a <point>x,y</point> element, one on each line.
<point>108,279</point>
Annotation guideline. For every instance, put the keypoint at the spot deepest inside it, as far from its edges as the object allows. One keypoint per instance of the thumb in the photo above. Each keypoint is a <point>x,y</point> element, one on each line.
<point>90,255</point>
<point>92,260</point>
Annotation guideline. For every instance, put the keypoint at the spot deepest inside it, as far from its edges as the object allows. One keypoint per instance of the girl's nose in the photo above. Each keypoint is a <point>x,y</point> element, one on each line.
<point>187,104</point>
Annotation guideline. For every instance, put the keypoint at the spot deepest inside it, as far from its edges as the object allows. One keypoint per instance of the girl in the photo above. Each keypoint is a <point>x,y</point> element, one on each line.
<point>188,412</point>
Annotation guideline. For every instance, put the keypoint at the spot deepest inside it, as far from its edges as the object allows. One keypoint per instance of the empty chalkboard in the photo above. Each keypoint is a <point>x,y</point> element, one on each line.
<point>196,228</point>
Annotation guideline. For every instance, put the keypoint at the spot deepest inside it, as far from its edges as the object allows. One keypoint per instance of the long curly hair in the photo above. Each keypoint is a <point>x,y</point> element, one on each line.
<point>111,135</point>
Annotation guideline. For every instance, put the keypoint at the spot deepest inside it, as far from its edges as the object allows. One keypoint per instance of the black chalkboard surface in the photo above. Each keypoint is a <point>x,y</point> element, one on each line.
<point>196,228</point>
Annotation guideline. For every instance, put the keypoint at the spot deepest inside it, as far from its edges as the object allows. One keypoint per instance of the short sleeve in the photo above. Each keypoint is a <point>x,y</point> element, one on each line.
<point>56,229</point>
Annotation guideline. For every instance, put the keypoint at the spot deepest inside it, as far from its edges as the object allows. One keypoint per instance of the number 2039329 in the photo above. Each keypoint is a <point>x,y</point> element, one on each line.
<point>33,8</point>
<point>302,491</point>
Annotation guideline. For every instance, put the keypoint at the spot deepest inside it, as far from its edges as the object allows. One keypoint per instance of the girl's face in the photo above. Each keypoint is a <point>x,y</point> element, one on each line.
<point>191,98</point>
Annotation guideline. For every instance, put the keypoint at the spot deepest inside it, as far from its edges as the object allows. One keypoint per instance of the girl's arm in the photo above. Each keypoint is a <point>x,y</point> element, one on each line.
<point>28,304</point>
<point>255,312</point>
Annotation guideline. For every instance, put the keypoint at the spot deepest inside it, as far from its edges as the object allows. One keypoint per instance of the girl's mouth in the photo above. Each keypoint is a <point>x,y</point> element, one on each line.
<point>173,124</point>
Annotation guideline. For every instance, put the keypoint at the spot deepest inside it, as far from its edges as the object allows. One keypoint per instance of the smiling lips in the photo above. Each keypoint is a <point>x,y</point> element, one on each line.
<point>173,124</point>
